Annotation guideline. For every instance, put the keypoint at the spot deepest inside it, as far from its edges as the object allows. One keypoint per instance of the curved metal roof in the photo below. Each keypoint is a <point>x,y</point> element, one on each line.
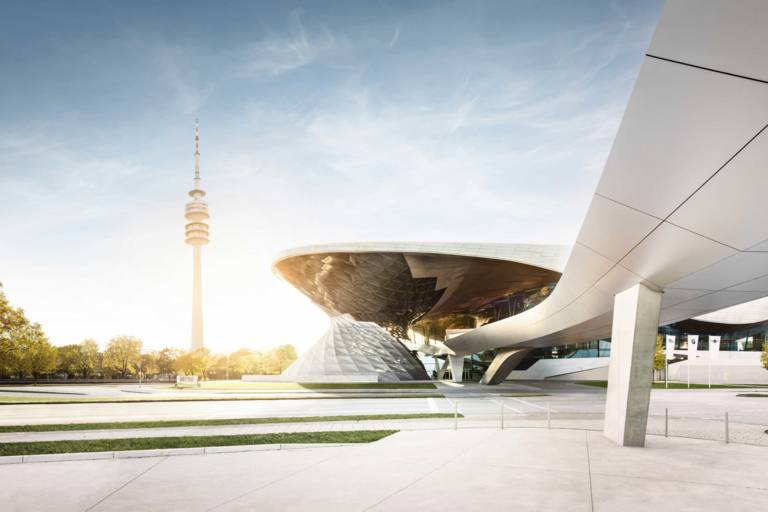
<point>551,257</point>
<point>397,283</point>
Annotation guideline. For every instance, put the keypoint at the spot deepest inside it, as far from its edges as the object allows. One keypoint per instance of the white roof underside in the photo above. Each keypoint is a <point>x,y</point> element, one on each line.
<point>680,205</point>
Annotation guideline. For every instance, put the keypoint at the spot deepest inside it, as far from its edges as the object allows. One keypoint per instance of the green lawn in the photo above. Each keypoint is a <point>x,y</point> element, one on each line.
<point>677,385</point>
<point>214,422</point>
<point>147,443</point>
<point>23,400</point>
<point>239,384</point>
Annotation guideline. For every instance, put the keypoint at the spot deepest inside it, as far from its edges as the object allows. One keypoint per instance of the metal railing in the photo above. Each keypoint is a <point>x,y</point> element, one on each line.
<point>720,427</point>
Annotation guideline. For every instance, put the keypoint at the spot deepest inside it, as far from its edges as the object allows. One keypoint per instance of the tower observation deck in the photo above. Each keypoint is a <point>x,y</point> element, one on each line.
<point>196,235</point>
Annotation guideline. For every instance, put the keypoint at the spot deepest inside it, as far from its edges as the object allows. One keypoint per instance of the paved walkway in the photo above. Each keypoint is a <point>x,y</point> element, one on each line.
<point>477,469</point>
<point>678,427</point>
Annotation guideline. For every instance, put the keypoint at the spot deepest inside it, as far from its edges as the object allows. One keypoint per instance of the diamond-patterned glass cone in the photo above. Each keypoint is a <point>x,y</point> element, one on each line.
<point>351,348</point>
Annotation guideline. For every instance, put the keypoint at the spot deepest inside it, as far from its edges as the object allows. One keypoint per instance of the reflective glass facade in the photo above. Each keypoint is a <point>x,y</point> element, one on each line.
<point>428,293</point>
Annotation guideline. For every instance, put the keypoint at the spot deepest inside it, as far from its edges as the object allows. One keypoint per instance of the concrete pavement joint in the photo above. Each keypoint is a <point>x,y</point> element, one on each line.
<point>102,500</point>
<point>261,487</point>
<point>534,468</point>
<point>428,473</point>
<point>680,481</point>
<point>589,472</point>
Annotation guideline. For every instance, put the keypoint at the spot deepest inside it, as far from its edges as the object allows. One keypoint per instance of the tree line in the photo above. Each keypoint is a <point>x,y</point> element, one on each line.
<point>26,352</point>
<point>124,358</point>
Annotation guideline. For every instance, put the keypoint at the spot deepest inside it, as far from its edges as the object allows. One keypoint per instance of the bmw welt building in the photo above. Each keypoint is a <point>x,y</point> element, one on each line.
<point>657,253</point>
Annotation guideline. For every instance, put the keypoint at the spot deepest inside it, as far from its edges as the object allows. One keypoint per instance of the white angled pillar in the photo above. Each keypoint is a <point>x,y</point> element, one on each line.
<point>457,368</point>
<point>630,371</point>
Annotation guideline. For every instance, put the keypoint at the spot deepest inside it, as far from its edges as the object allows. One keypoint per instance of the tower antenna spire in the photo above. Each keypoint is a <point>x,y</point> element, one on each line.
<point>197,149</point>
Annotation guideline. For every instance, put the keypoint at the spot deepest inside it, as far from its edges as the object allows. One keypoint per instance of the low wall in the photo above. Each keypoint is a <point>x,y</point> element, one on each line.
<point>576,368</point>
<point>728,368</point>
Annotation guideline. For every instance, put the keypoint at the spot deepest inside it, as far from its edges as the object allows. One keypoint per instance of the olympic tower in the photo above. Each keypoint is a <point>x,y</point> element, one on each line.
<point>196,235</point>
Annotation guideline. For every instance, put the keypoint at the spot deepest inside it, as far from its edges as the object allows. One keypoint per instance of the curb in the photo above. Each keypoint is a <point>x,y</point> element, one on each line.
<point>169,452</point>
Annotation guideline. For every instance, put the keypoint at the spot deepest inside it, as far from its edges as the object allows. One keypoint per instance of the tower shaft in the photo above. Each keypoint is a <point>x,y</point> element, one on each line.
<point>197,298</point>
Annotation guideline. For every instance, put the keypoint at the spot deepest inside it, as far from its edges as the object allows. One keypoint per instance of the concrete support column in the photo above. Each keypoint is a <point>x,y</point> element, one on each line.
<point>441,371</point>
<point>502,364</point>
<point>457,367</point>
<point>630,371</point>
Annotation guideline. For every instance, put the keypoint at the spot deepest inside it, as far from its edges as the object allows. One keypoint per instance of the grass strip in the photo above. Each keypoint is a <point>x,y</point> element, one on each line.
<point>150,443</point>
<point>224,385</point>
<point>23,400</point>
<point>676,385</point>
<point>216,422</point>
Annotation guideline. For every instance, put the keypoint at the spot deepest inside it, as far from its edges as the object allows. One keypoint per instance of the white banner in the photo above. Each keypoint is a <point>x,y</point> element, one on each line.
<point>693,342</point>
<point>670,346</point>
<point>714,347</point>
<point>186,380</point>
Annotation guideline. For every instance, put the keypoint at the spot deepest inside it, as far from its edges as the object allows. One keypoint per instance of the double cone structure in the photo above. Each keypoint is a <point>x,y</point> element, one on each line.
<point>352,349</point>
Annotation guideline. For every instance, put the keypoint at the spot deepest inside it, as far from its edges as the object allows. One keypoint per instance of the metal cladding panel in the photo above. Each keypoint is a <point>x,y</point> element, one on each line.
<point>717,209</point>
<point>681,125</point>
<point>710,33</point>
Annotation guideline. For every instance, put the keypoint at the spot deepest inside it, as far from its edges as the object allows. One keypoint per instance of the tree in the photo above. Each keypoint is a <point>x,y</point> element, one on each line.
<point>88,357</point>
<point>197,362</point>
<point>123,355</point>
<point>220,366</point>
<point>284,355</point>
<point>11,320</point>
<point>660,356</point>
<point>166,359</point>
<point>24,348</point>
<point>277,360</point>
<point>77,359</point>
<point>39,355</point>
<point>764,356</point>
<point>149,366</point>
<point>243,361</point>
<point>67,357</point>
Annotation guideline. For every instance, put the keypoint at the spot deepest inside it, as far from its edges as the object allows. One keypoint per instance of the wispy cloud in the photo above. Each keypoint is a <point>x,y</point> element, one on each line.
<point>277,55</point>
<point>395,37</point>
<point>464,110</point>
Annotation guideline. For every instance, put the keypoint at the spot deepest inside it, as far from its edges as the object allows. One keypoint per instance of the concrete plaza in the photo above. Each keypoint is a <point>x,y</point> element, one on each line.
<point>520,469</point>
<point>696,413</point>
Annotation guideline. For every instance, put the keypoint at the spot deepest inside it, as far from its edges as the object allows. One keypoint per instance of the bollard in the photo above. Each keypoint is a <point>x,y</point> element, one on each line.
<point>502,414</point>
<point>666,422</point>
<point>727,434</point>
<point>549,416</point>
<point>456,416</point>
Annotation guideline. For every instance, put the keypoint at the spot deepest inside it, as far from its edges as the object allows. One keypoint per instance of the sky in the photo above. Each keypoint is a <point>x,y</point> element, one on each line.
<point>475,121</point>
